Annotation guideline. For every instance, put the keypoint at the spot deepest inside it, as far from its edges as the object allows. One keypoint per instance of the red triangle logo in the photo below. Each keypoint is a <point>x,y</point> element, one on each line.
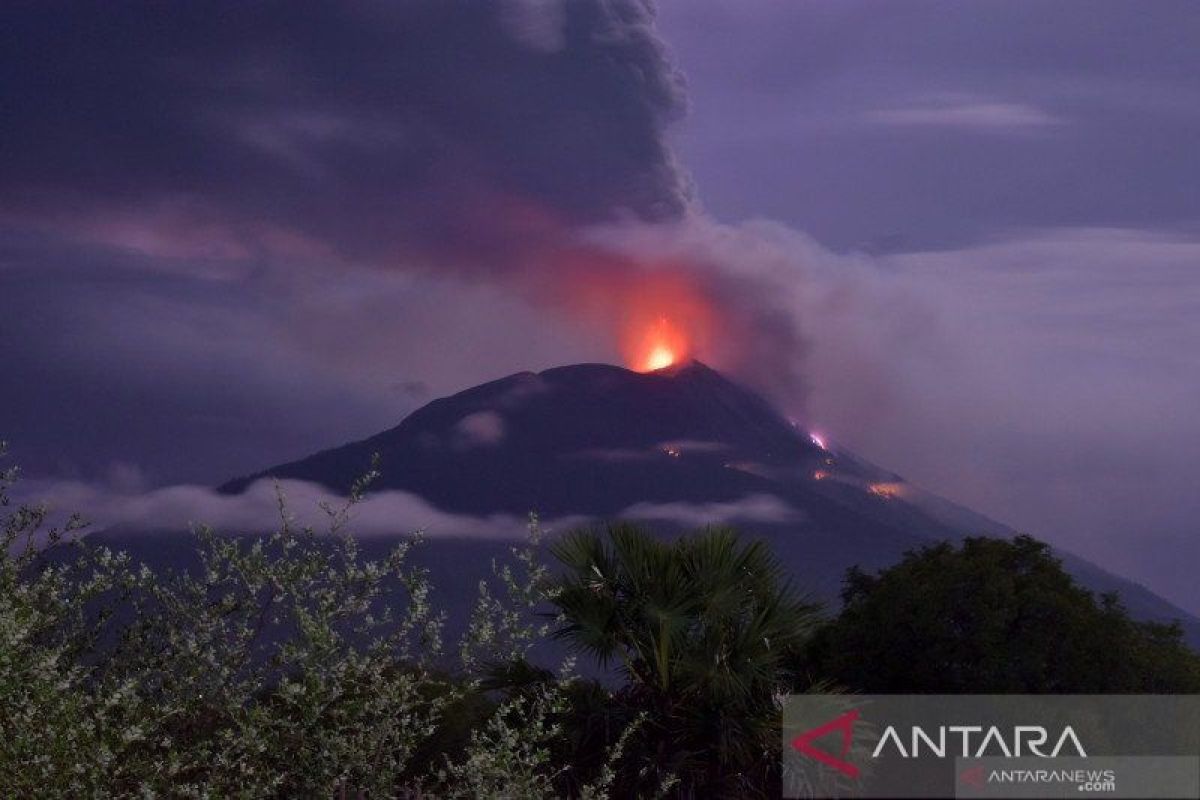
<point>844,724</point>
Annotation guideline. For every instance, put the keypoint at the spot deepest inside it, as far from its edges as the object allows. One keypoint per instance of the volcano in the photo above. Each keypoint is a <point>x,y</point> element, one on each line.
<point>677,447</point>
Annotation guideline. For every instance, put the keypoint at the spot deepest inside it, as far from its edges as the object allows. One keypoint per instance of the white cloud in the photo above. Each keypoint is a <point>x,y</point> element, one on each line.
<point>967,114</point>
<point>753,508</point>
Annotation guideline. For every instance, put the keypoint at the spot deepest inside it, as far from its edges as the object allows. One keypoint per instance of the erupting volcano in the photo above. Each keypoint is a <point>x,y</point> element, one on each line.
<point>676,447</point>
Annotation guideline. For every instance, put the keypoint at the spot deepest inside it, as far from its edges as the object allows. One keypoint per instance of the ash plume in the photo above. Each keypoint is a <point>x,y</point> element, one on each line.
<point>377,131</point>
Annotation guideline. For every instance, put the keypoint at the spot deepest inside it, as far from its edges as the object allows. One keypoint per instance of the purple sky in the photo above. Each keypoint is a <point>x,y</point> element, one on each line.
<point>958,238</point>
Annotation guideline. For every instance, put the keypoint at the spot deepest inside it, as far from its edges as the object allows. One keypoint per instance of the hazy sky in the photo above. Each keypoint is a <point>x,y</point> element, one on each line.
<point>960,238</point>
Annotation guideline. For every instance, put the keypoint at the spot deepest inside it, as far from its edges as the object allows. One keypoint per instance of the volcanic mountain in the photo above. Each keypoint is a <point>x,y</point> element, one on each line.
<point>678,447</point>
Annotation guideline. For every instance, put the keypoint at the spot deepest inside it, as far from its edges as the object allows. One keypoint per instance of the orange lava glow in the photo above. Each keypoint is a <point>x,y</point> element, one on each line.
<point>660,358</point>
<point>665,321</point>
<point>659,346</point>
<point>658,315</point>
<point>886,490</point>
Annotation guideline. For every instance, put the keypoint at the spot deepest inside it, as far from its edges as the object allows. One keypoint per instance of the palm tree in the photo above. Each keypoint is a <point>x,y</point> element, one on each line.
<point>702,629</point>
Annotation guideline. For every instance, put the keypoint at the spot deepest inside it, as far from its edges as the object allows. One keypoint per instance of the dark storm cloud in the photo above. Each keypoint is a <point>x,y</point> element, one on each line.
<point>372,129</point>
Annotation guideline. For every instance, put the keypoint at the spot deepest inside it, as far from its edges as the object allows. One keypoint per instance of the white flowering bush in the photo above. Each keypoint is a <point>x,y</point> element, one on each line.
<point>286,665</point>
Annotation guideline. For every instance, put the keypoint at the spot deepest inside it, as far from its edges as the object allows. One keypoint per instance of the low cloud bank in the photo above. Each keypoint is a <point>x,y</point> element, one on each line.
<point>384,513</point>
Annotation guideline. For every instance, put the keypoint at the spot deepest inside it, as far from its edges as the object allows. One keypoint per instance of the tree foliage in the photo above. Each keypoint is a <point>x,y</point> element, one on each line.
<point>994,615</point>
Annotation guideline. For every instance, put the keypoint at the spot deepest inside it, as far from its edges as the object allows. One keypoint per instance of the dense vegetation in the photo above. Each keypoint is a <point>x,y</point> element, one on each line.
<point>999,616</point>
<point>289,665</point>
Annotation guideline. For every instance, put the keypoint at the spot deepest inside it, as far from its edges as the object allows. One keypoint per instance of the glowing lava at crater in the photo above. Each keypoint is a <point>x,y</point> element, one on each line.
<point>664,319</point>
<point>660,345</point>
<point>659,358</point>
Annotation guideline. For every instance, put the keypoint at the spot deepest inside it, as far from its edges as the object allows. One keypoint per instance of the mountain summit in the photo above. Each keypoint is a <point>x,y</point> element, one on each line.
<point>678,447</point>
